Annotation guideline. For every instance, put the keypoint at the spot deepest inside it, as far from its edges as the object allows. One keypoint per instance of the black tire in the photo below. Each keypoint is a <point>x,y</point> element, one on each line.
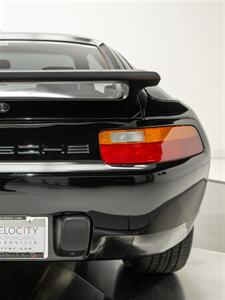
<point>169,261</point>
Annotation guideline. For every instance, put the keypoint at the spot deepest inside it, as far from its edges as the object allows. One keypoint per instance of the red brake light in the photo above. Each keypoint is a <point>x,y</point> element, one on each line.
<point>149,145</point>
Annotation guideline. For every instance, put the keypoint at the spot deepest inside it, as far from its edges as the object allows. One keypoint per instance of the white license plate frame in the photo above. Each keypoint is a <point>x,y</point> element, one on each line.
<point>23,237</point>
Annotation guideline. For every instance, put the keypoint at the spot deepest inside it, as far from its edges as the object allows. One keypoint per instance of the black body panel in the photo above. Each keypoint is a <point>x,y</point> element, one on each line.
<point>50,165</point>
<point>121,202</point>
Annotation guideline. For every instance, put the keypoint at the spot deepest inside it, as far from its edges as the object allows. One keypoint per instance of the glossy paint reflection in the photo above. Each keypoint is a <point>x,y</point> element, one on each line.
<point>105,280</point>
<point>201,279</point>
<point>119,283</point>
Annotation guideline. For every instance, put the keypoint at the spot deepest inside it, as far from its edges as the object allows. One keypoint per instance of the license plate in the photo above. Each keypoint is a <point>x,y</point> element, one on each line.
<point>23,237</point>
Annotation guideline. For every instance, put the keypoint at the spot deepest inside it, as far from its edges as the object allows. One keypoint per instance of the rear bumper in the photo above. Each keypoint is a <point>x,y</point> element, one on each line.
<point>134,212</point>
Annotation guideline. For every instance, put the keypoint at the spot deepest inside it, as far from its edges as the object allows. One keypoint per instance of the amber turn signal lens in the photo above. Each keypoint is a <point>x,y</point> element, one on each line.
<point>149,145</point>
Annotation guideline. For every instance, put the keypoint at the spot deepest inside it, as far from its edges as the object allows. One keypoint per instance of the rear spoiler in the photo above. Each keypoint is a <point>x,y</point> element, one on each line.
<point>136,79</point>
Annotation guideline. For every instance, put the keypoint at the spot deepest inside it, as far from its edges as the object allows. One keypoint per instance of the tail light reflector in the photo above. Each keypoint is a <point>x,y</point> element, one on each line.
<point>149,145</point>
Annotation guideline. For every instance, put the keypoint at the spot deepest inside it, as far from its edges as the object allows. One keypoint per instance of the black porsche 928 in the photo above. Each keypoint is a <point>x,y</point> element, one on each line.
<point>96,161</point>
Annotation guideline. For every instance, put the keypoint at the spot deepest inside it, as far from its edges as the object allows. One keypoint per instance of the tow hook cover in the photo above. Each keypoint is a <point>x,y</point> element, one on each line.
<point>72,235</point>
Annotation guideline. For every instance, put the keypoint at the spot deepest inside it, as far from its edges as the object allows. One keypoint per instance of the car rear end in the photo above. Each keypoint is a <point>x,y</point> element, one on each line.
<point>92,165</point>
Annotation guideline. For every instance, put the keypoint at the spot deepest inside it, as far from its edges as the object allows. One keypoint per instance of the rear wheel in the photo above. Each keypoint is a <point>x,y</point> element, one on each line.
<point>169,261</point>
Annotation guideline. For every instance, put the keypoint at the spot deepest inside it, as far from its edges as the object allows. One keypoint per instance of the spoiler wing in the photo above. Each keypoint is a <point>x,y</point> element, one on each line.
<point>136,79</point>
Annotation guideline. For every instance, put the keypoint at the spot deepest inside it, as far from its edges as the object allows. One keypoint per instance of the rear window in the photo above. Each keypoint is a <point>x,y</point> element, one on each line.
<point>53,56</point>
<point>34,55</point>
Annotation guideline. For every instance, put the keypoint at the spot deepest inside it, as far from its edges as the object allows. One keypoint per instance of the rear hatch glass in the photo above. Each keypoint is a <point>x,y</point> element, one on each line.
<point>64,90</point>
<point>42,56</point>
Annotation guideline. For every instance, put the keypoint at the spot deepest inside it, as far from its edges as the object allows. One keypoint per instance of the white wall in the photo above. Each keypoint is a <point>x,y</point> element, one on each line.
<point>180,40</point>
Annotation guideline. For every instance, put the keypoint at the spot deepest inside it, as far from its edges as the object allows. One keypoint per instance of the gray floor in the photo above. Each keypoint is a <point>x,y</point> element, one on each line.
<point>202,279</point>
<point>210,225</point>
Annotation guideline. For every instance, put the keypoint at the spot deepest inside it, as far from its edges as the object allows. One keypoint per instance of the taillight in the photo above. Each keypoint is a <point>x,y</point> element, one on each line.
<point>149,145</point>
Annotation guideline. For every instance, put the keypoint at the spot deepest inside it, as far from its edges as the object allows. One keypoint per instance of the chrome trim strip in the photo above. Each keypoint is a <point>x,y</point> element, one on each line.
<point>30,167</point>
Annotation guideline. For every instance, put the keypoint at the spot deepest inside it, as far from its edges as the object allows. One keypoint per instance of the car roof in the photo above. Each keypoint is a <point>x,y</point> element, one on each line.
<point>48,37</point>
